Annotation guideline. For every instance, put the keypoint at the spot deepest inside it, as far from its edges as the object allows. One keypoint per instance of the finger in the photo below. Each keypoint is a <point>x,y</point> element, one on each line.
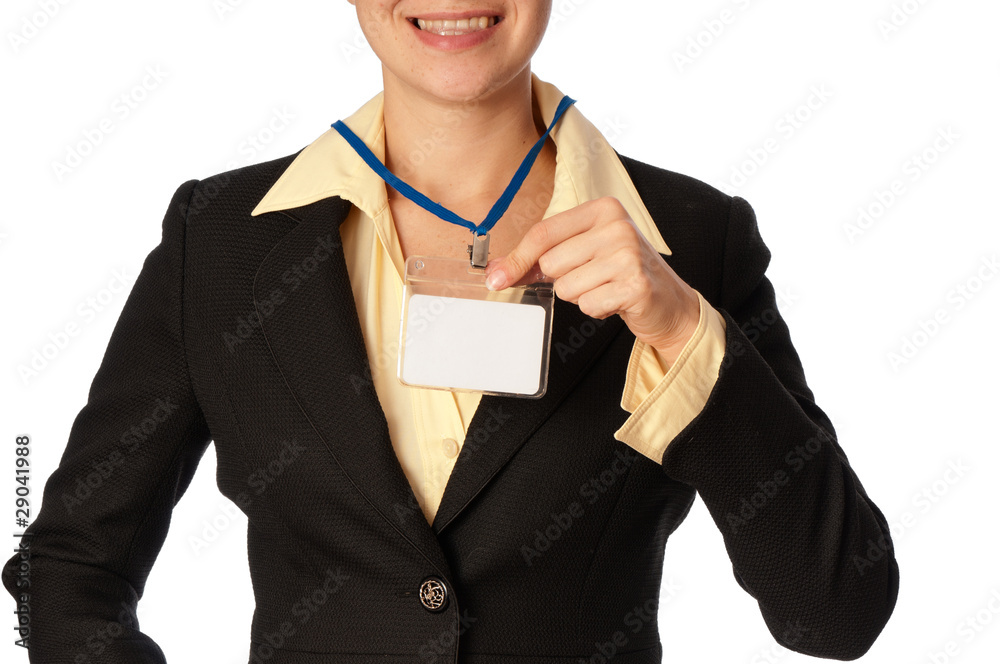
<point>603,301</point>
<point>541,237</point>
<point>597,243</point>
<point>534,275</point>
<point>587,277</point>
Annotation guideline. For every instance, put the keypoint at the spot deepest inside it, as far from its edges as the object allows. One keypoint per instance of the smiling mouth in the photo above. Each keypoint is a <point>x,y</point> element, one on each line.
<point>462,26</point>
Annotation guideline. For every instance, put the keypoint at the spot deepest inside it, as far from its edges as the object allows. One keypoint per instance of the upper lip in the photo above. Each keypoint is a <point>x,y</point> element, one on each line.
<point>440,16</point>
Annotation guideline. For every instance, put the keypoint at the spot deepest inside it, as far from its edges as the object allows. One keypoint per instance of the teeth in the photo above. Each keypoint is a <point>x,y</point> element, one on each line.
<point>456,27</point>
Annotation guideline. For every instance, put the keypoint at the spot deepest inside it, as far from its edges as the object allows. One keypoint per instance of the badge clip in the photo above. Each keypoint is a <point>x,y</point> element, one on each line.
<point>479,250</point>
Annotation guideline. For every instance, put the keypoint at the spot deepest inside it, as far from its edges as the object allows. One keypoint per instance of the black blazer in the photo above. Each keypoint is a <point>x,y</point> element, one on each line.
<point>550,535</point>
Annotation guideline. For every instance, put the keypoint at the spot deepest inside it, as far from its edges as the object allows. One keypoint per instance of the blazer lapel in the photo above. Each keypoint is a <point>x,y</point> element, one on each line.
<point>317,343</point>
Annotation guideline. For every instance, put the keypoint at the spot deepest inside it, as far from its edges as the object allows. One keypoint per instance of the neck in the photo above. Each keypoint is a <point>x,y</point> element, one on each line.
<point>464,154</point>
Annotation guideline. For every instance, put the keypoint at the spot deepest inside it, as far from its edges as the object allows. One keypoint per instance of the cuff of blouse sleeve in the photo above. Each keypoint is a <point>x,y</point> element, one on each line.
<point>664,399</point>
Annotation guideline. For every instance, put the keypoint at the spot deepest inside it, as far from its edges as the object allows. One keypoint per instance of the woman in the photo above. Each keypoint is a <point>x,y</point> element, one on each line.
<point>388,522</point>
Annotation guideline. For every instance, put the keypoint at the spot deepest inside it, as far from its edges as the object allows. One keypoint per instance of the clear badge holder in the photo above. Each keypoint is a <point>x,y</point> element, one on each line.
<point>456,334</point>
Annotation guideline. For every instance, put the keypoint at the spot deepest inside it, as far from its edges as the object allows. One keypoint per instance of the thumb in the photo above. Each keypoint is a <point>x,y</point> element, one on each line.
<point>496,275</point>
<point>502,272</point>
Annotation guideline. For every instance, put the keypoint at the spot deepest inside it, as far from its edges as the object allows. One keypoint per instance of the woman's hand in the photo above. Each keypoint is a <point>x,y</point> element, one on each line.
<point>602,262</point>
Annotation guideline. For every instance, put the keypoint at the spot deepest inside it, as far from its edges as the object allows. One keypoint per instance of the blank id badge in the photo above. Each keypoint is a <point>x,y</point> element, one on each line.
<point>456,334</point>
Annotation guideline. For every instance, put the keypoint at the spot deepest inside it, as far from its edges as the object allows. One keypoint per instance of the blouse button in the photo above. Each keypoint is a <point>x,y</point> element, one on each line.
<point>450,447</point>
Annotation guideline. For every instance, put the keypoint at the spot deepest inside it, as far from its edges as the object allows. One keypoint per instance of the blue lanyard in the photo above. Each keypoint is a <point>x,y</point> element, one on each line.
<point>498,208</point>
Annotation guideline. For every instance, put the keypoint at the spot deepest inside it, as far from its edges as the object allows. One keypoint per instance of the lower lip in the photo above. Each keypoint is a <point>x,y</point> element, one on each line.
<point>455,42</point>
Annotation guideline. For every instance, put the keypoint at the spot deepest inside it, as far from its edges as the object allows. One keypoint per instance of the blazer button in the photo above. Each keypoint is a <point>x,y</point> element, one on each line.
<point>433,594</point>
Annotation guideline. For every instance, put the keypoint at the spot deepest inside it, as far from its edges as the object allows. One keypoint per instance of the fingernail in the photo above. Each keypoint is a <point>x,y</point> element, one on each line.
<point>496,280</point>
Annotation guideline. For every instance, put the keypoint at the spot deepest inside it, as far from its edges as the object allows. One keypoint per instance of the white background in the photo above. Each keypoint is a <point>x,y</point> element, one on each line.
<point>228,73</point>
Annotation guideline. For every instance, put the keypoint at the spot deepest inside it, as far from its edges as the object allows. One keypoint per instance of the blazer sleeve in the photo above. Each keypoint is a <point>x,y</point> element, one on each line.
<point>131,454</point>
<point>804,538</point>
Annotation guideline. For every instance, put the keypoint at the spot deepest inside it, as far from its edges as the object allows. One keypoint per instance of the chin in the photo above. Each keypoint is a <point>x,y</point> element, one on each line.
<point>462,85</point>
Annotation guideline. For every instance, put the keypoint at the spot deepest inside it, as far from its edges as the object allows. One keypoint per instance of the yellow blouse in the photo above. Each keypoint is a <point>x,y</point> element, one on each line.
<point>427,426</point>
